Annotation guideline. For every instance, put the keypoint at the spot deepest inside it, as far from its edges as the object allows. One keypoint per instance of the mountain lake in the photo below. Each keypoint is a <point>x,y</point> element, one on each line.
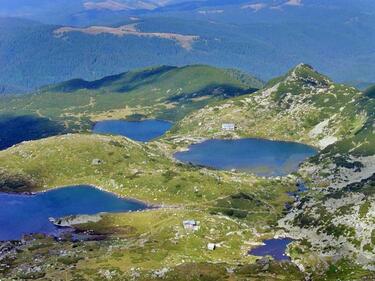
<point>26,214</point>
<point>136,130</point>
<point>259,156</point>
<point>273,247</point>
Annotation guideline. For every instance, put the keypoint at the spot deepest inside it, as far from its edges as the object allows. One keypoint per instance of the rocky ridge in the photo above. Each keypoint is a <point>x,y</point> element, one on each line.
<point>302,106</point>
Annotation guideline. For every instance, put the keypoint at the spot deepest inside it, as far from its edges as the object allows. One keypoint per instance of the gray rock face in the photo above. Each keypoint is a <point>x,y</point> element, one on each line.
<point>337,222</point>
<point>75,220</point>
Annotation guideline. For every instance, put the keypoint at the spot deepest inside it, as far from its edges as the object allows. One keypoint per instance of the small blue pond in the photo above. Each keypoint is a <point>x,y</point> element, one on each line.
<point>25,214</point>
<point>273,247</point>
<point>301,188</point>
<point>259,156</point>
<point>137,130</point>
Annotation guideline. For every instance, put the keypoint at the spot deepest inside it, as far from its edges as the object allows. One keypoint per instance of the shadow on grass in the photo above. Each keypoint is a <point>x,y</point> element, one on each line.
<point>16,129</point>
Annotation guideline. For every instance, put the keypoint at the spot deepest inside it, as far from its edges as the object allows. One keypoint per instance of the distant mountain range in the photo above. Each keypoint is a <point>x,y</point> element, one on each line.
<point>261,37</point>
<point>87,12</point>
<point>80,11</point>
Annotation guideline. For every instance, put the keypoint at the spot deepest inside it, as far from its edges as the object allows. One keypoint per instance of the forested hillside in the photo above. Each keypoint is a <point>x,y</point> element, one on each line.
<point>266,41</point>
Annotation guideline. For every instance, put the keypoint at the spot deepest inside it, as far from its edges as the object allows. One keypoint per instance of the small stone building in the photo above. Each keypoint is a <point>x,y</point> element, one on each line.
<point>211,246</point>
<point>228,127</point>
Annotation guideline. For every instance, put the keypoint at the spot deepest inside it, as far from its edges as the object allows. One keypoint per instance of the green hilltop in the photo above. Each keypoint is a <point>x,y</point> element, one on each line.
<point>163,76</point>
<point>163,92</point>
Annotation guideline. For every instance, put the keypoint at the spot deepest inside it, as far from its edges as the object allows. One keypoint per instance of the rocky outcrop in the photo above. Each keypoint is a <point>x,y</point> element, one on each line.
<point>75,220</point>
<point>337,222</point>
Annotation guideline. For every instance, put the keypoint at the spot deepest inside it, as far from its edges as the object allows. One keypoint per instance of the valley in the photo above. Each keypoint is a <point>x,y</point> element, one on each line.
<point>206,220</point>
<point>187,140</point>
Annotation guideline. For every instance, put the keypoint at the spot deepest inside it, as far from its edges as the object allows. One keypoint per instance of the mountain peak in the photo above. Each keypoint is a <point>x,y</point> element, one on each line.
<point>299,84</point>
<point>303,65</point>
<point>306,74</point>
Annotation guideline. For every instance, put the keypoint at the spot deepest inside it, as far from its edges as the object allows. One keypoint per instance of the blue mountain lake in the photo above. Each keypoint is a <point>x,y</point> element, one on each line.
<point>259,156</point>
<point>273,247</point>
<point>137,130</point>
<point>25,214</point>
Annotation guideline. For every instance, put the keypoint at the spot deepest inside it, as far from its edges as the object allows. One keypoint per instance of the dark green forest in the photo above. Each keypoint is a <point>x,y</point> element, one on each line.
<point>337,40</point>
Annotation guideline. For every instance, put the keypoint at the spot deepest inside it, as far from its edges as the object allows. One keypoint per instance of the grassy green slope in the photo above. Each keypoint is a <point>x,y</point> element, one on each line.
<point>127,168</point>
<point>162,92</point>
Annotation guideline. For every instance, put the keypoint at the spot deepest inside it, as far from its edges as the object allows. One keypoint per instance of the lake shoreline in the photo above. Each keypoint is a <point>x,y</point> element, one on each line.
<point>71,201</point>
<point>139,130</point>
<point>262,157</point>
<point>131,199</point>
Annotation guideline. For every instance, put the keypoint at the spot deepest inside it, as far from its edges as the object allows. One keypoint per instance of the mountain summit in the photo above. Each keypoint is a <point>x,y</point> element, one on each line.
<point>306,74</point>
<point>303,105</point>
